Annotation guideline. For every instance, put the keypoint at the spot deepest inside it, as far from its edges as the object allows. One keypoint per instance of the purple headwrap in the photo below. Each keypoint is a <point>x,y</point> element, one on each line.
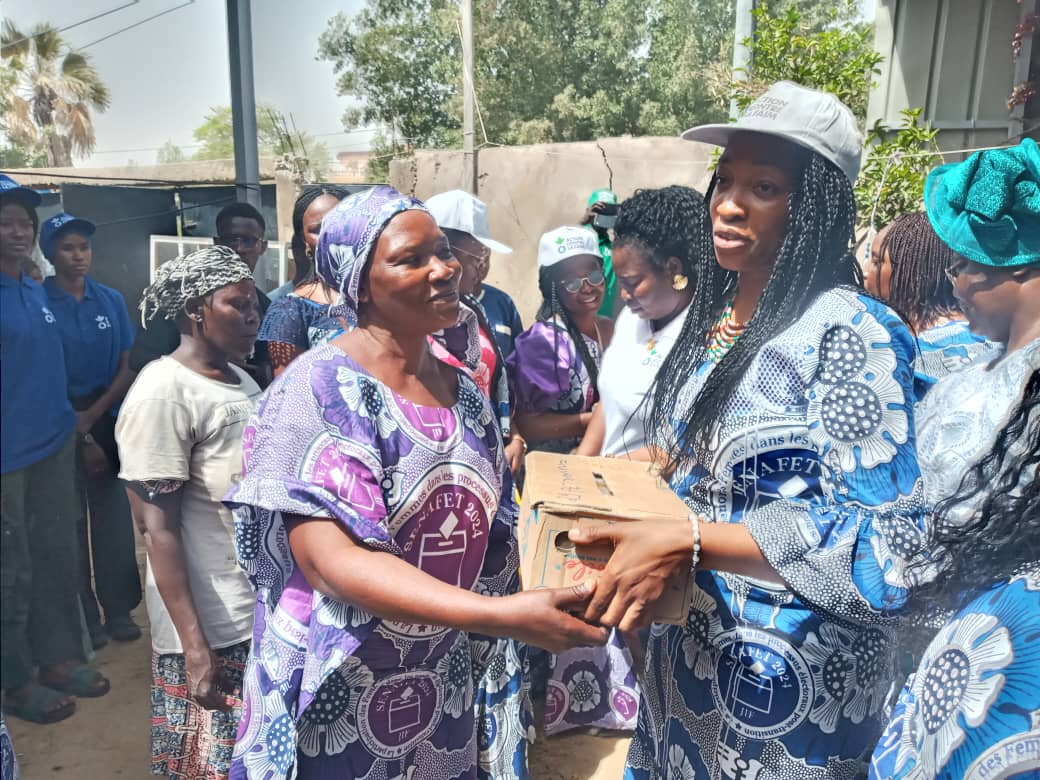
<point>345,246</point>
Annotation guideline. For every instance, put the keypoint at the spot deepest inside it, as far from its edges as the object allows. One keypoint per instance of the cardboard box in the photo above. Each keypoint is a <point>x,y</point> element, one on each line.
<point>568,491</point>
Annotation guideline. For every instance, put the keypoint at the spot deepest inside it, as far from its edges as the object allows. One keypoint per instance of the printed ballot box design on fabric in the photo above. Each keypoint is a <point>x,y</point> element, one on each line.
<point>332,691</point>
<point>572,491</point>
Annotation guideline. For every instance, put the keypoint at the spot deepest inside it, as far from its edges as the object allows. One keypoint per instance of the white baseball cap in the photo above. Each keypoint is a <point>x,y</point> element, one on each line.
<point>810,118</point>
<point>458,210</point>
<point>566,242</point>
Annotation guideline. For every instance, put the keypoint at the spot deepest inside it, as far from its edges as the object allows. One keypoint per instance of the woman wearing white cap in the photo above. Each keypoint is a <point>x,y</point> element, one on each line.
<point>784,416</point>
<point>555,364</point>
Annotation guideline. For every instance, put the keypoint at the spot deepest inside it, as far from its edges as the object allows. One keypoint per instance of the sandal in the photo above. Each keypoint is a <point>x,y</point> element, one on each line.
<point>83,682</point>
<point>36,705</point>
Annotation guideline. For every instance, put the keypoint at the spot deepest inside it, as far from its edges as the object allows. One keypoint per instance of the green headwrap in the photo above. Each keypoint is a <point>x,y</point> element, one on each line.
<point>987,208</point>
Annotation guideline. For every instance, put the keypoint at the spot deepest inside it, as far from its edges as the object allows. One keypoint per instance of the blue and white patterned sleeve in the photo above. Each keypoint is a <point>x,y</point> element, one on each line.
<point>845,548</point>
<point>972,710</point>
<point>286,322</point>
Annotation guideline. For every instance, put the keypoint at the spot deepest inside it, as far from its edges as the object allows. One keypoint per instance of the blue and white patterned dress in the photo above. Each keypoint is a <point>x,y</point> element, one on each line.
<point>945,349</point>
<point>815,456</point>
<point>301,322</point>
<point>8,760</point>
<point>972,710</point>
<point>959,420</point>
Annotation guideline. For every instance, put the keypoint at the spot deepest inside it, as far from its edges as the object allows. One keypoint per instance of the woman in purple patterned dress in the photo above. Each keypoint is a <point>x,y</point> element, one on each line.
<point>375,517</point>
<point>555,363</point>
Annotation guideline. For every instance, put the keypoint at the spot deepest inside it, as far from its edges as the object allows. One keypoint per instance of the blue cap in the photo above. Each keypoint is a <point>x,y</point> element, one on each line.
<point>9,187</point>
<point>61,223</point>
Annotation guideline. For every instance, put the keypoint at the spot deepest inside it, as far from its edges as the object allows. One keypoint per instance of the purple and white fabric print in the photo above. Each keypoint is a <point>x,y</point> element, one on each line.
<point>592,687</point>
<point>330,690</point>
<point>547,375</point>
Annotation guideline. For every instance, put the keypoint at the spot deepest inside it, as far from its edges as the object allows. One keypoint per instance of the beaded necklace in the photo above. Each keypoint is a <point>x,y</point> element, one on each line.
<point>723,334</point>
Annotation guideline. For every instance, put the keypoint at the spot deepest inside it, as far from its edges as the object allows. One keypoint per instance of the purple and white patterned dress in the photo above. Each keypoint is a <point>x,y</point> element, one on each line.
<point>334,692</point>
<point>547,375</point>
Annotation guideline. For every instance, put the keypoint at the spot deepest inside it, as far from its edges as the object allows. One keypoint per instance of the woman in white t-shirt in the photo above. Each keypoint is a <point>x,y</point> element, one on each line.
<point>180,444</point>
<point>662,236</point>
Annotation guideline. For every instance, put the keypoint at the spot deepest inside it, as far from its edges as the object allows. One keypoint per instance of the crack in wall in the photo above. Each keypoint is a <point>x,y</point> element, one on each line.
<point>606,162</point>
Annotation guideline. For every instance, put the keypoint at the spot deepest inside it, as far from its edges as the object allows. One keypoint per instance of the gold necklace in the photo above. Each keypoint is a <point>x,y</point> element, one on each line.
<point>599,338</point>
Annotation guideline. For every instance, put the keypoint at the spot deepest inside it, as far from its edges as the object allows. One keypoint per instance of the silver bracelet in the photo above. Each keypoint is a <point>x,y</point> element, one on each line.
<point>695,521</point>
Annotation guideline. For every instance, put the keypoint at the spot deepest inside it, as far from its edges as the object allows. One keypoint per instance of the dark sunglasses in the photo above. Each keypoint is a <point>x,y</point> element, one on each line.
<point>595,279</point>
<point>246,242</point>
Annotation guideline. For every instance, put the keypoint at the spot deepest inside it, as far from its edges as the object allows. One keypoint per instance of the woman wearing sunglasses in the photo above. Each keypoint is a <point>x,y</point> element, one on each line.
<point>555,364</point>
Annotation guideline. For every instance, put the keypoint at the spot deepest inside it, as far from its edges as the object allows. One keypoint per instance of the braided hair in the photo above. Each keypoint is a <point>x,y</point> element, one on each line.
<point>814,257</point>
<point>666,222</point>
<point>190,276</point>
<point>304,266</point>
<point>551,309</point>
<point>1003,534</point>
<point>918,286</point>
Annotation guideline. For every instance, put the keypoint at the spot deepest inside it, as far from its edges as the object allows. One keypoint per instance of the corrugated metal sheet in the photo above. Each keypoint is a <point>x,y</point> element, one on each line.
<point>953,58</point>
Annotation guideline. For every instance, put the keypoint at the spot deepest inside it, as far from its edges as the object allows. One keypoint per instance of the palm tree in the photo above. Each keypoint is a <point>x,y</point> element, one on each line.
<point>55,91</point>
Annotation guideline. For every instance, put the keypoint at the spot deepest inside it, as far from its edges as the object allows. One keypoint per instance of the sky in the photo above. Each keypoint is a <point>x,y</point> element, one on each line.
<point>164,75</point>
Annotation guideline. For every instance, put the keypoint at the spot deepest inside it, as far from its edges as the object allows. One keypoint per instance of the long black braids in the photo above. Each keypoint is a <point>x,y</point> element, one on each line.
<point>814,257</point>
<point>918,288</point>
<point>304,263</point>
<point>666,222</point>
<point>551,309</point>
<point>1003,532</point>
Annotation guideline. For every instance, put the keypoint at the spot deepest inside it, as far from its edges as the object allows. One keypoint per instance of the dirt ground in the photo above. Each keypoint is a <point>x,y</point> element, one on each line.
<point>108,737</point>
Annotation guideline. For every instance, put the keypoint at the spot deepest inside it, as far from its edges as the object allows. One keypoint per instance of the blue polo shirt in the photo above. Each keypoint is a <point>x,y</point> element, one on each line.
<point>502,316</point>
<point>95,332</point>
<point>34,404</point>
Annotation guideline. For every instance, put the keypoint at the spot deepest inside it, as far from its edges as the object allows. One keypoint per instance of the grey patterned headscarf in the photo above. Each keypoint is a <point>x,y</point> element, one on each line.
<point>194,275</point>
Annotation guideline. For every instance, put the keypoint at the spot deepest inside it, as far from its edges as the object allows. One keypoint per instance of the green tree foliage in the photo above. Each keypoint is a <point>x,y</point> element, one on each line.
<point>216,139</point>
<point>15,156</point>
<point>545,71</point>
<point>49,95</point>
<point>895,168</point>
<point>396,58</point>
<point>838,57</point>
<point>169,152</point>
<point>829,51</point>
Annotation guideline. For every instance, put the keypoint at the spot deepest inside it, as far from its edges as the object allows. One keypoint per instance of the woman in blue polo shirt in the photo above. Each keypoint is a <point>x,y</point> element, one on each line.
<point>97,335</point>
<point>39,602</point>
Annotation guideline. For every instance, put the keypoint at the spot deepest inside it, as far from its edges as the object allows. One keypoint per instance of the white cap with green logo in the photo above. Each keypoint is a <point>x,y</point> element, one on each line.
<point>564,243</point>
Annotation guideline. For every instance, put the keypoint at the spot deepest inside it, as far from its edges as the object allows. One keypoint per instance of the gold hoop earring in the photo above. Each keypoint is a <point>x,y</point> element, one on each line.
<point>680,282</point>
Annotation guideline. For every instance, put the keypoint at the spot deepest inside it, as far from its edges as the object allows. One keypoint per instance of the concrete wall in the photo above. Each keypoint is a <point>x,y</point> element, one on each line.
<point>953,58</point>
<point>532,189</point>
